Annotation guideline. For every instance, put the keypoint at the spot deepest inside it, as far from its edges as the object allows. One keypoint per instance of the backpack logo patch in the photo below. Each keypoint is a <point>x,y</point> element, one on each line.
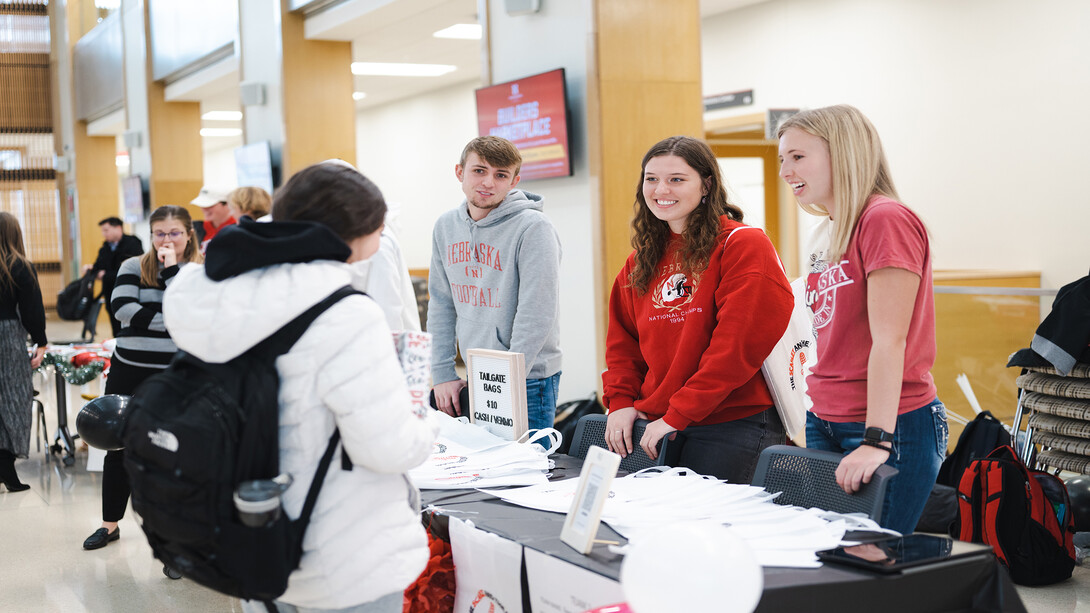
<point>164,439</point>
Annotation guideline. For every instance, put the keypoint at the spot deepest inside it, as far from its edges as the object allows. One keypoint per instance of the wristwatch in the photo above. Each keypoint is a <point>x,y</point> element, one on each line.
<point>876,435</point>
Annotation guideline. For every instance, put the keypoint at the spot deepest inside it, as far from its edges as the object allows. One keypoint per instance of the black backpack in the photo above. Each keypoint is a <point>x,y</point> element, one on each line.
<point>982,436</point>
<point>191,435</point>
<point>1025,515</point>
<point>75,299</point>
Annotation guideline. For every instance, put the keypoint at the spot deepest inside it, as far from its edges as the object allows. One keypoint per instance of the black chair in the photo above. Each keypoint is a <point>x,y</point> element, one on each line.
<point>591,431</point>
<point>807,478</point>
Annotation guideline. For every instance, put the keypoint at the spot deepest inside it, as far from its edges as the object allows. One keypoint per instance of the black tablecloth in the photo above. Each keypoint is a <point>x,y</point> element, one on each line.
<point>976,584</point>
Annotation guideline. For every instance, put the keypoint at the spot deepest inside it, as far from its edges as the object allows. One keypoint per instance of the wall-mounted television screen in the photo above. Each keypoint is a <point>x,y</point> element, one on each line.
<point>134,197</point>
<point>253,166</point>
<point>532,113</point>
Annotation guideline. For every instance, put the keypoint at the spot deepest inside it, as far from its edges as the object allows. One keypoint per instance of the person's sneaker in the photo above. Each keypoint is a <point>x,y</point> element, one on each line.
<point>101,537</point>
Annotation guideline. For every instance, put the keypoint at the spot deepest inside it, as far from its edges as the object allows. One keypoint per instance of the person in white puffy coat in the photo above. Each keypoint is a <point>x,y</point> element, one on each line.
<point>365,543</point>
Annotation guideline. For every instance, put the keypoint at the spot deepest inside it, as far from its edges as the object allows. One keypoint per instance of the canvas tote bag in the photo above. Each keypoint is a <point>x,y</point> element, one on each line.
<point>786,368</point>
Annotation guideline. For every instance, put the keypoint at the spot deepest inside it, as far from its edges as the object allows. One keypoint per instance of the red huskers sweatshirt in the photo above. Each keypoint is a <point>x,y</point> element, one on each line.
<point>690,349</point>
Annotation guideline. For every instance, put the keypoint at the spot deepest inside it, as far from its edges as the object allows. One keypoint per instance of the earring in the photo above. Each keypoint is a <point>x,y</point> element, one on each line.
<point>703,200</point>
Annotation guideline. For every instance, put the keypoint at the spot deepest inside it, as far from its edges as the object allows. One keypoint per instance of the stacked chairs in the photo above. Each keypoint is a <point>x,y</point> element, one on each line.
<point>1059,417</point>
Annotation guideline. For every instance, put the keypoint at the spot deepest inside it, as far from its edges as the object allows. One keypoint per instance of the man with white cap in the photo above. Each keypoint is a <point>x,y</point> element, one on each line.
<point>213,201</point>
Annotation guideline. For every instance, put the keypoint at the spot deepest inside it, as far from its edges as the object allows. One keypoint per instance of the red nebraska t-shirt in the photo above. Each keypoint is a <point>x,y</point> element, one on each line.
<point>888,235</point>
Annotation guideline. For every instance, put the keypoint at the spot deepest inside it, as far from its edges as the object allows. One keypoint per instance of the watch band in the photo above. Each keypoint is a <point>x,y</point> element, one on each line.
<point>877,445</point>
<point>877,435</point>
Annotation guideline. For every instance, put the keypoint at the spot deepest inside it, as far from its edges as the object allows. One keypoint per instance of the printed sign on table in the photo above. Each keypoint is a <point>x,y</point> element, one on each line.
<point>497,391</point>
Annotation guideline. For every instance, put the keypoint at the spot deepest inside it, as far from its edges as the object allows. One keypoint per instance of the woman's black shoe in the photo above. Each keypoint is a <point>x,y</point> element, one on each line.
<point>171,573</point>
<point>101,538</point>
<point>8,476</point>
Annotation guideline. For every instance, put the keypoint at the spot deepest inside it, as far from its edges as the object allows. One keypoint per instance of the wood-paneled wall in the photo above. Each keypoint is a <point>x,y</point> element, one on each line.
<point>319,112</point>
<point>976,334</point>
<point>643,85</point>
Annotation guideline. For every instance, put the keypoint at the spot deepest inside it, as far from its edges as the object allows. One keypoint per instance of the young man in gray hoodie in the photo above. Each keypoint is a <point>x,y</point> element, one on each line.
<point>495,279</point>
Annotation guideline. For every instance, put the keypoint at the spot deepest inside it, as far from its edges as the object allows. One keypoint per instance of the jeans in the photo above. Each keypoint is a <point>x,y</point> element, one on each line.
<point>730,450</point>
<point>541,401</point>
<point>919,446</point>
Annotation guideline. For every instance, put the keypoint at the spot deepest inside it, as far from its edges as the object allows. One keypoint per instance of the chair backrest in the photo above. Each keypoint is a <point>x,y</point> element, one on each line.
<point>591,431</point>
<point>807,478</point>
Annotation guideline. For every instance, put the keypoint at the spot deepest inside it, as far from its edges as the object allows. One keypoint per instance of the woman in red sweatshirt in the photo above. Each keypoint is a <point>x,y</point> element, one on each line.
<point>692,316</point>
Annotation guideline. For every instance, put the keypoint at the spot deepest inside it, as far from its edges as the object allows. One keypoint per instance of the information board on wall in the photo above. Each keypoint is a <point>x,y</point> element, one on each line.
<point>497,391</point>
<point>531,113</point>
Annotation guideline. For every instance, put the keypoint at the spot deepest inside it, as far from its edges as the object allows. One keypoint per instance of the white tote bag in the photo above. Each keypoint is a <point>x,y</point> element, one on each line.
<point>786,368</point>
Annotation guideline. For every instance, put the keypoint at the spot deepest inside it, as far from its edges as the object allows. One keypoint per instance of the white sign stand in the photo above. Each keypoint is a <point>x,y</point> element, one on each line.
<point>581,525</point>
<point>497,391</point>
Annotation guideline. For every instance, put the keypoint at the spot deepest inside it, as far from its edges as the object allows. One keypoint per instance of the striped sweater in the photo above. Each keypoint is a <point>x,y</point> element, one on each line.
<point>143,340</point>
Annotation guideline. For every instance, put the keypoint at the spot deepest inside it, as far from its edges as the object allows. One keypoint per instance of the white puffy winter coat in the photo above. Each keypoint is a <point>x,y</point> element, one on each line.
<point>365,538</point>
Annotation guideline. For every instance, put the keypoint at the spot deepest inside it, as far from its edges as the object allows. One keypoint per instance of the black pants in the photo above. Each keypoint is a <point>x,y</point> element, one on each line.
<point>730,450</point>
<point>123,379</point>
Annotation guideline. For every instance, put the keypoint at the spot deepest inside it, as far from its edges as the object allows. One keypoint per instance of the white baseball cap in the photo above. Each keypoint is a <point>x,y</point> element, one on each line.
<point>210,195</point>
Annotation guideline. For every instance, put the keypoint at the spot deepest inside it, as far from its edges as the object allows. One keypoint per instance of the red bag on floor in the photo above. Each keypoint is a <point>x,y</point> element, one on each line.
<point>1025,515</point>
<point>433,590</point>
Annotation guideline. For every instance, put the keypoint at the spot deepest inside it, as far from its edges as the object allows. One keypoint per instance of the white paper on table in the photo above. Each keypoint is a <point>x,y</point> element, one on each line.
<point>640,505</point>
<point>559,587</point>
<point>466,456</point>
<point>487,570</point>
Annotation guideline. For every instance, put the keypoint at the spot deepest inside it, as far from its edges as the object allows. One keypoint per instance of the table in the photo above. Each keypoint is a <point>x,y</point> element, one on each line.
<point>969,584</point>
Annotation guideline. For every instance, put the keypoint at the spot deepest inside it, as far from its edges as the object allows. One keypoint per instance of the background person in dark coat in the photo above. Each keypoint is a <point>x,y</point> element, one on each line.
<point>116,248</point>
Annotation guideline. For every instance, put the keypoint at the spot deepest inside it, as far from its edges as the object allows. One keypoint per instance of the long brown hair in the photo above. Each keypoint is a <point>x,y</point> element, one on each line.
<point>11,248</point>
<point>149,262</point>
<point>650,235</point>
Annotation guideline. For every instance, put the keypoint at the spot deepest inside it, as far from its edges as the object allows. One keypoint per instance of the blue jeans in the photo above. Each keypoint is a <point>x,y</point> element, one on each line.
<point>919,446</point>
<point>541,401</point>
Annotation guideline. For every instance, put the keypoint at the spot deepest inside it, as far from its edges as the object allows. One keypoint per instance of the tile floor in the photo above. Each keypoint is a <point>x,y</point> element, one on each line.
<point>43,567</point>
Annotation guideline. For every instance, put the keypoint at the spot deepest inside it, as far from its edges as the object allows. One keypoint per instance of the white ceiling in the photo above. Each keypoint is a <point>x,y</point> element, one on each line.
<point>394,31</point>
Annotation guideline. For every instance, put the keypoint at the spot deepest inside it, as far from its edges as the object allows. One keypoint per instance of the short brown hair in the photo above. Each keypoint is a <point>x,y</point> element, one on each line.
<point>499,152</point>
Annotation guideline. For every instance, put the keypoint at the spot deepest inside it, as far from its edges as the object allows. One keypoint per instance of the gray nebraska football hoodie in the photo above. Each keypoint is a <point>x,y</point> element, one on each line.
<point>495,284</point>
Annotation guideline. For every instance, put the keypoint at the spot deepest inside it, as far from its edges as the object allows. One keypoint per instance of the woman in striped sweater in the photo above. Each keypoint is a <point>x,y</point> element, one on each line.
<point>144,346</point>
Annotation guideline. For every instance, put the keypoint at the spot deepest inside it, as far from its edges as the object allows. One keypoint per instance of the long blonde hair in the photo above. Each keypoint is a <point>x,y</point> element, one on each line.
<point>149,262</point>
<point>859,166</point>
<point>11,248</point>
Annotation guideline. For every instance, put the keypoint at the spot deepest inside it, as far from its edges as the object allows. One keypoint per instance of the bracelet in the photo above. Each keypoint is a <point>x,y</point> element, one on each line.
<point>877,445</point>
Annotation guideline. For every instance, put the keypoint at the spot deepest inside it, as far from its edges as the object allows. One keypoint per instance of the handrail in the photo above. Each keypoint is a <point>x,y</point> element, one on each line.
<point>1003,291</point>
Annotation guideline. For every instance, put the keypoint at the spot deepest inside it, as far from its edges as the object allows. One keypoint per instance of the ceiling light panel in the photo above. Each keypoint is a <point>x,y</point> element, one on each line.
<point>380,69</point>
<point>221,132</point>
<point>464,31</point>
<point>223,116</point>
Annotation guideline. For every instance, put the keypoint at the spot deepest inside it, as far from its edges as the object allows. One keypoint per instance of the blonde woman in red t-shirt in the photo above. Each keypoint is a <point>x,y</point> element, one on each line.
<point>871,295</point>
<point>692,316</point>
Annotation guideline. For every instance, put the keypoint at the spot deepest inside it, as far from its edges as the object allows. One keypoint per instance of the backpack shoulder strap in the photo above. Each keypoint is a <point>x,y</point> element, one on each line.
<point>281,341</point>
